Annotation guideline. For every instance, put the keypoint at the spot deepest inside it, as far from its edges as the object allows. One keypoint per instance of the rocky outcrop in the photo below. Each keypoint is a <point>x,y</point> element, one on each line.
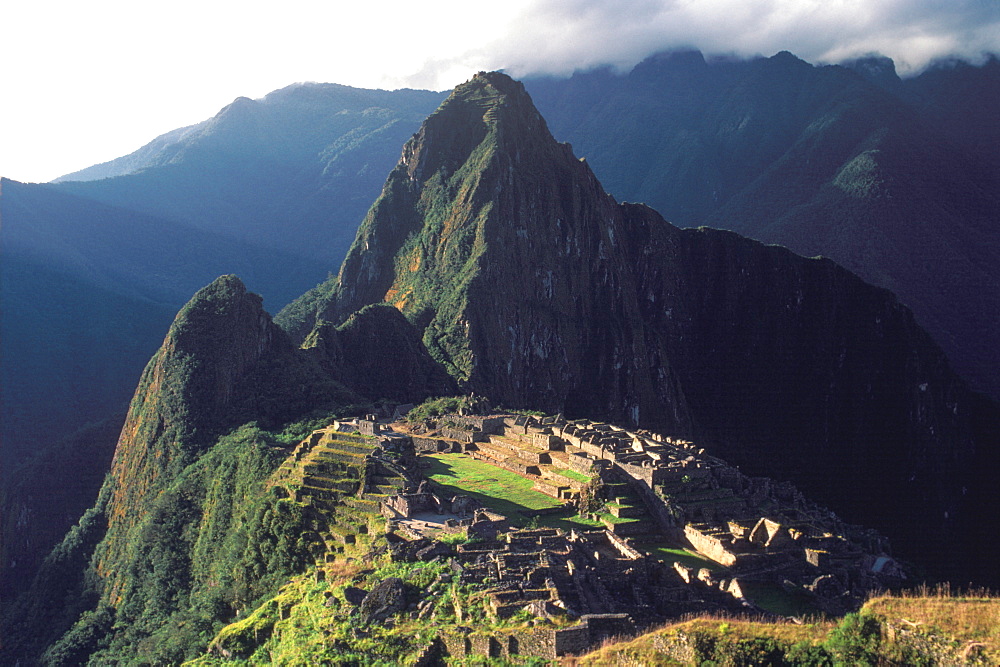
<point>385,599</point>
<point>509,260</point>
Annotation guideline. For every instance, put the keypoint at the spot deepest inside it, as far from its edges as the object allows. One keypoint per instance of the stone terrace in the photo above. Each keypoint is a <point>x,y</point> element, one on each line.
<point>337,475</point>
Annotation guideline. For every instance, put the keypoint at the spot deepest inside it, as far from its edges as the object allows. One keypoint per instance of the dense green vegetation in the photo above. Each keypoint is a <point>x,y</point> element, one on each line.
<point>311,620</point>
<point>211,544</point>
<point>44,496</point>
<point>436,407</point>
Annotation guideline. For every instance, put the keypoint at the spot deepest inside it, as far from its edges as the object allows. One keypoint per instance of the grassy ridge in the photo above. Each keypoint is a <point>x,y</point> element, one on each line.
<point>918,628</point>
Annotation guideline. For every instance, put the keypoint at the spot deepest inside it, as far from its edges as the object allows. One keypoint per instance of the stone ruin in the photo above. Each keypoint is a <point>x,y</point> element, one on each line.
<point>610,587</point>
<point>665,488</point>
<point>656,489</point>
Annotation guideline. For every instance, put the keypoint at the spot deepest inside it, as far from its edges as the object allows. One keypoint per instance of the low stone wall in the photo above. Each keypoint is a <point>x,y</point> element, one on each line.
<point>710,546</point>
<point>430,445</point>
<point>457,434</point>
<point>580,464</point>
<point>547,488</point>
<point>591,631</point>
<point>624,548</point>
<point>352,437</point>
<point>544,643</point>
<point>490,424</point>
<point>539,642</point>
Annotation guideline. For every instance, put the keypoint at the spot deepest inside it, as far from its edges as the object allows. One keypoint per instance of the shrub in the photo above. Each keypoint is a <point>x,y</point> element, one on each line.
<point>856,640</point>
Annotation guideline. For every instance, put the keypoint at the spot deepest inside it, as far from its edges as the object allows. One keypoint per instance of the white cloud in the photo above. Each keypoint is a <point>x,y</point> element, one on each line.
<point>87,82</point>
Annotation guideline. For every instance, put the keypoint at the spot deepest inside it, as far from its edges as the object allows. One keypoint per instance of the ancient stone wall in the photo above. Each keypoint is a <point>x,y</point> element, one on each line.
<point>624,548</point>
<point>430,445</point>
<point>580,463</point>
<point>369,427</point>
<point>540,642</point>
<point>709,545</point>
<point>572,641</point>
<point>462,435</point>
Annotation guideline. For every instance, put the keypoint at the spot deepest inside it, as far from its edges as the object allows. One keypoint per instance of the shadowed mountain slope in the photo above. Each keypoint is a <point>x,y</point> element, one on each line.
<point>87,291</point>
<point>535,288</point>
<point>897,180</point>
<point>295,170</point>
<point>223,363</point>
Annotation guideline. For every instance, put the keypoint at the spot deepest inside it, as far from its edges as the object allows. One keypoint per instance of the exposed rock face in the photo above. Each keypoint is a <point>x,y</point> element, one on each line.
<point>509,257</point>
<point>896,180</point>
<point>535,288</point>
<point>385,599</point>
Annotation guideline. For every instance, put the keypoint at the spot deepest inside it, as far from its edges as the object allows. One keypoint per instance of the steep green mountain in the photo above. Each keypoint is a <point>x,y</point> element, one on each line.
<point>535,288</point>
<point>222,364</point>
<point>897,180</point>
<point>184,532</point>
<point>178,460</point>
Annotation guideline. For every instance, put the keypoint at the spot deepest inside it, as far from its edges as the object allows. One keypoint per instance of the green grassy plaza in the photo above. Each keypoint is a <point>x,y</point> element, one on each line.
<point>498,489</point>
<point>510,494</point>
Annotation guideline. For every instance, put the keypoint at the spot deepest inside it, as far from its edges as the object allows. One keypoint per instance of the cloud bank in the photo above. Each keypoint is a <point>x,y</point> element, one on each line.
<point>89,81</point>
<point>560,37</point>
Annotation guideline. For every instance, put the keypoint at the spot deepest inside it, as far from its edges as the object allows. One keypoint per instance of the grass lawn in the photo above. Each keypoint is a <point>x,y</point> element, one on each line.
<point>574,475</point>
<point>775,599</point>
<point>496,488</point>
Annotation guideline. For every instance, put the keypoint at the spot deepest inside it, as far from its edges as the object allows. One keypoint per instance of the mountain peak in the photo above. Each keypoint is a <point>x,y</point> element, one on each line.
<point>491,104</point>
<point>498,81</point>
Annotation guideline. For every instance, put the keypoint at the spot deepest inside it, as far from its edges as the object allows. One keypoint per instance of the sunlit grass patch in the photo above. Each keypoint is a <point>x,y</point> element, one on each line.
<point>499,489</point>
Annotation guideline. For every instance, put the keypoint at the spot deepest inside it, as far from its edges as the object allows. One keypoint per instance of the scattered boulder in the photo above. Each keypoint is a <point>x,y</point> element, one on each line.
<point>388,597</point>
<point>431,551</point>
<point>354,595</point>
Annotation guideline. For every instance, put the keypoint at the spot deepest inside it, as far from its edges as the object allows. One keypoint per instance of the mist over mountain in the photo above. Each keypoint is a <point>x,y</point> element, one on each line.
<point>295,170</point>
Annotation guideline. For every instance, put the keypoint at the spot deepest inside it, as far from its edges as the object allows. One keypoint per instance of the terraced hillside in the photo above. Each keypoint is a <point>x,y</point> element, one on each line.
<point>336,476</point>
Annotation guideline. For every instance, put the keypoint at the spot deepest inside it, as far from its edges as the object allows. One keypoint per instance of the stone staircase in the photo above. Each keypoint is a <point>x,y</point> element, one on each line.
<point>626,515</point>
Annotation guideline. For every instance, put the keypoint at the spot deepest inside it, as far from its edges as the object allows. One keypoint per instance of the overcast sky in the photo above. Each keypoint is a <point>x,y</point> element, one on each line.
<point>85,82</point>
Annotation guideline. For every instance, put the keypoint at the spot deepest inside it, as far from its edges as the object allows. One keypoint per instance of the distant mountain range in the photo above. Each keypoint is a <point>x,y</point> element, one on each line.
<point>270,189</point>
